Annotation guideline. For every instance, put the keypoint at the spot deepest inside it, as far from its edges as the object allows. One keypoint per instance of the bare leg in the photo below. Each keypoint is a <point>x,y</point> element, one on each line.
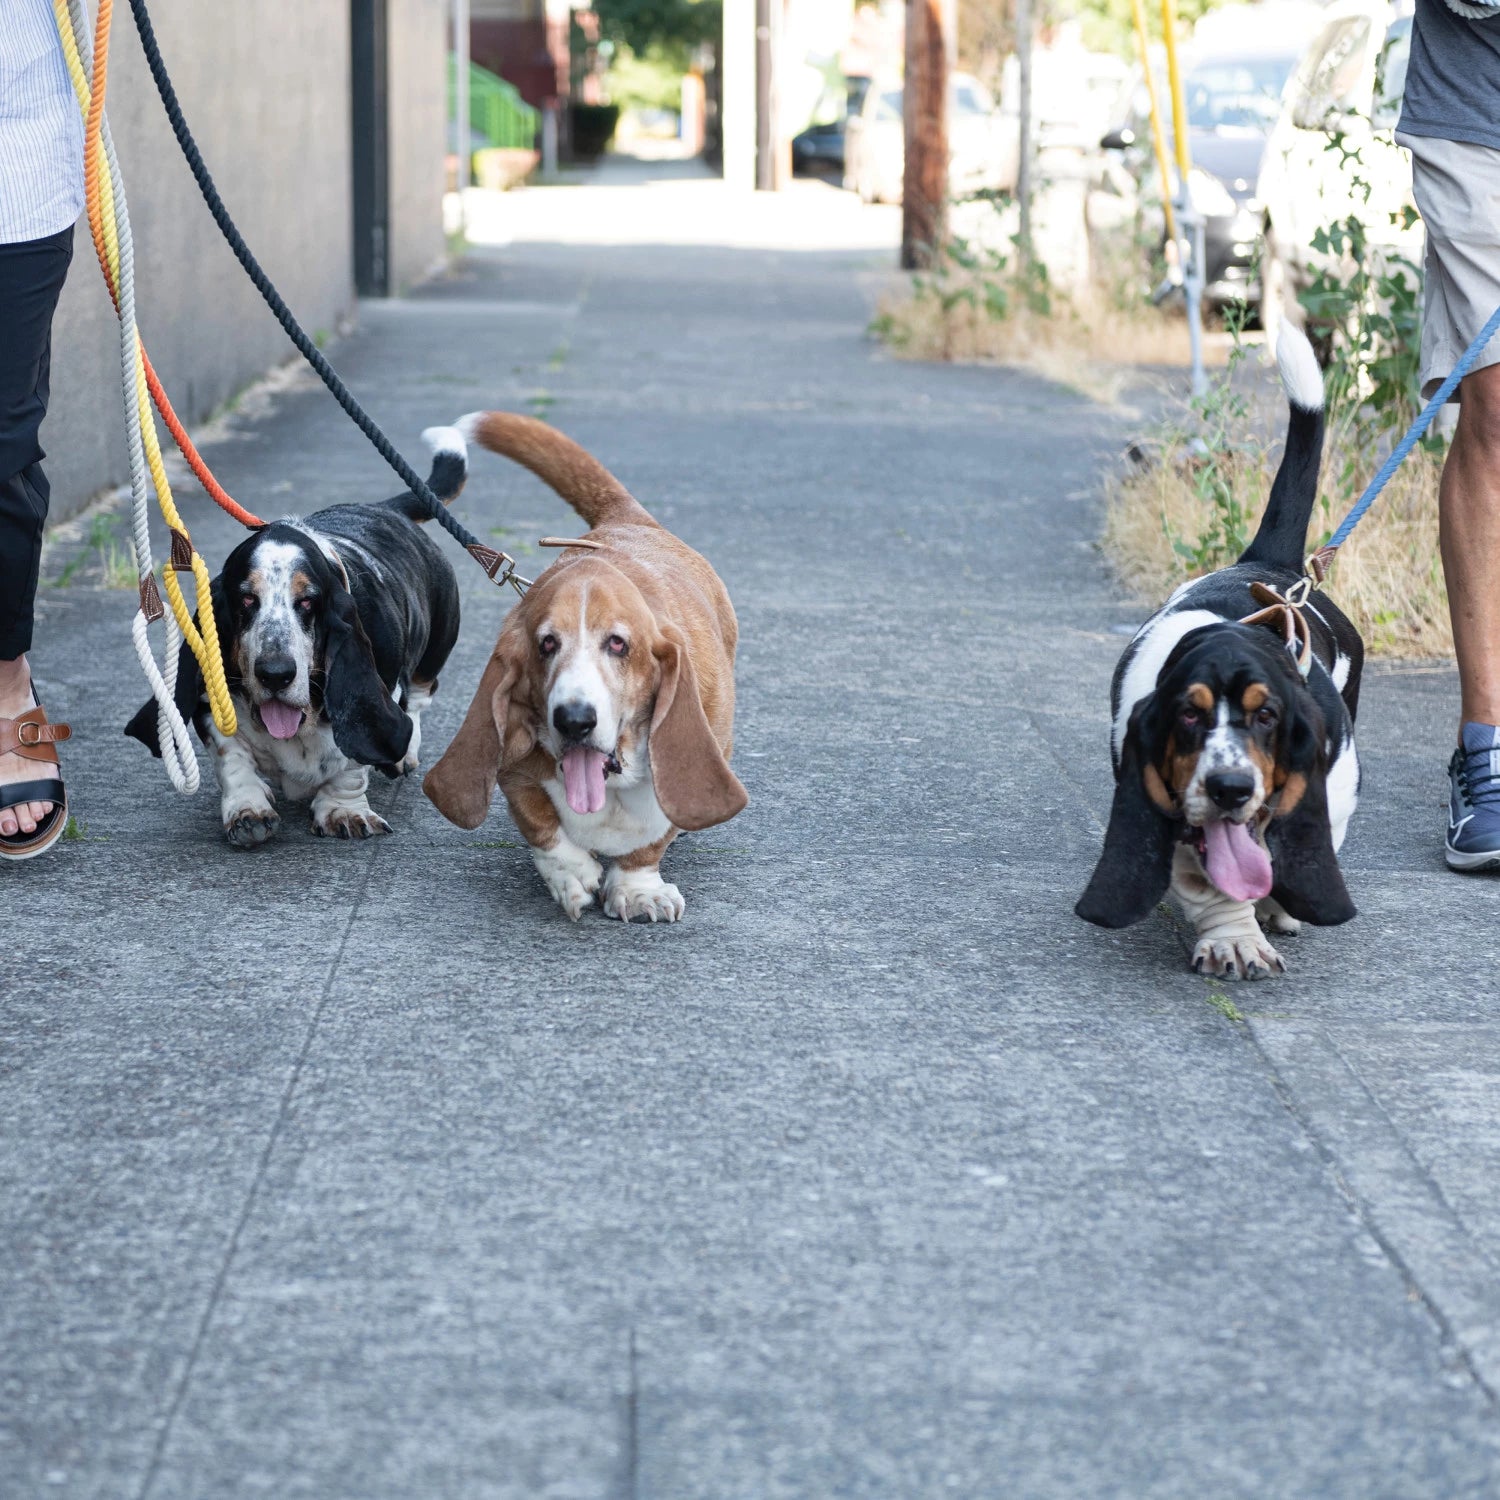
<point>15,698</point>
<point>1469,506</point>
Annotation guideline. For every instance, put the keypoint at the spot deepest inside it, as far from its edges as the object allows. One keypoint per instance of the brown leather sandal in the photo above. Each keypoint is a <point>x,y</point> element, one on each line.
<point>24,736</point>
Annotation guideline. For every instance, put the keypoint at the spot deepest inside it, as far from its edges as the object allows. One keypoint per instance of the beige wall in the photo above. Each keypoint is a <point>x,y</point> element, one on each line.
<point>418,81</point>
<point>265,88</point>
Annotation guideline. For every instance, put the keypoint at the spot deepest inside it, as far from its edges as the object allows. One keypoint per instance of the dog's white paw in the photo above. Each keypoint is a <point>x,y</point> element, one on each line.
<point>641,893</point>
<point>571,874</point>
<point>340,822</point>
<point>1274,919</point>
<point>250,827</point>
<point>1237,958</point>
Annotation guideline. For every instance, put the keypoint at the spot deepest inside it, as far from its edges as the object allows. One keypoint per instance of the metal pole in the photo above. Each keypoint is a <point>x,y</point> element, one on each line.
<point>1158,134</point>
<point>1192,221</point>
<point>1023,159</point>
<point>765,100</point>
<point>461,104</point>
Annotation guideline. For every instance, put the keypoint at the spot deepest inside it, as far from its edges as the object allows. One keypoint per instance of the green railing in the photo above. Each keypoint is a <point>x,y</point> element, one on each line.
<point>496,110</point>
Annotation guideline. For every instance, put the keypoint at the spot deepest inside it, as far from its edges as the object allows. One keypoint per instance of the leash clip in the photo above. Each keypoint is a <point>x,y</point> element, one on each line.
<point>1285,610</point>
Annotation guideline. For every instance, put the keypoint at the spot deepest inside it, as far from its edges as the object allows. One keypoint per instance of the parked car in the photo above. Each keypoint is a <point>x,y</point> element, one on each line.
<point>1233,99</point>
<point>982,151</point>
<point>818,151</point>
<point>1332,153</point>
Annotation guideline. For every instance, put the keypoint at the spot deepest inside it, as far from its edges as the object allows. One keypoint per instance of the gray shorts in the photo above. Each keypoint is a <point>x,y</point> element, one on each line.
<point>1457,188</point>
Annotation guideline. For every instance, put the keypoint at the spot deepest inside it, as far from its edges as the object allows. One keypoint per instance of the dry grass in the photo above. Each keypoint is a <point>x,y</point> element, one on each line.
<point>1388,577</point>
<point>1091,343</point>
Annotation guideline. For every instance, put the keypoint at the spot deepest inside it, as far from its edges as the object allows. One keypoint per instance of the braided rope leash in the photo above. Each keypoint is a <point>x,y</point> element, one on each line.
<point>500,566</point>
<point>109,225</point>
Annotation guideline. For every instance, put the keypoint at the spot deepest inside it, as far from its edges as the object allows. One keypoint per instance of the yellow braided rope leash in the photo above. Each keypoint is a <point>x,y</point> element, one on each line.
<point>110,224</point>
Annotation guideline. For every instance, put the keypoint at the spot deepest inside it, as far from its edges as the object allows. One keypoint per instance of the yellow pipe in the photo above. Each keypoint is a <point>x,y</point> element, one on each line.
<point>1158,137</point>
<point>1179,102</point>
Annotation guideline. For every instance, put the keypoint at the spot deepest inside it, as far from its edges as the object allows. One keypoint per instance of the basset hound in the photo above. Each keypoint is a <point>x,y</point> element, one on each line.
<point>1235,775</point>
<point>333,631</point>
<point>606,710</point>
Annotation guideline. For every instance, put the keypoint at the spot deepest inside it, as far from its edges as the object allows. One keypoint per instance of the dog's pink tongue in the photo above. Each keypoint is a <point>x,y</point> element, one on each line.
<point>1236,863</point>
<point>282,721</point>
<point>583,779</point>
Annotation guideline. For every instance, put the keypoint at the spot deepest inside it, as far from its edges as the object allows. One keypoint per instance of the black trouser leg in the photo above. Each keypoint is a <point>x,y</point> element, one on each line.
<point>31,278</point>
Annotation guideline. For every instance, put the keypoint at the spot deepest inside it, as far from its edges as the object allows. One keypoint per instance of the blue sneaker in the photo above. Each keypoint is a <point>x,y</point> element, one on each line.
<point>1474,800</point>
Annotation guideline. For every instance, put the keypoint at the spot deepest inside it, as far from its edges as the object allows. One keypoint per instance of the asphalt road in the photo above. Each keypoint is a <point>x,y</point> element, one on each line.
<point>358,1171</point>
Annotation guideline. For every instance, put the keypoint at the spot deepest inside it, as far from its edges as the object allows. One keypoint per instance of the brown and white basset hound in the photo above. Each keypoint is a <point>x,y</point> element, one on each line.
<point>606,711</point>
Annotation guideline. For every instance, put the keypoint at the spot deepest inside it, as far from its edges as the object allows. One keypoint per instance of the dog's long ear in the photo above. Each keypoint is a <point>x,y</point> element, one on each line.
<point>1135,867</point>
<point>694,784</point>
<point>188,693</point>
<point>368,726</point>
<point>462,783</point>
<point>1308,882</point>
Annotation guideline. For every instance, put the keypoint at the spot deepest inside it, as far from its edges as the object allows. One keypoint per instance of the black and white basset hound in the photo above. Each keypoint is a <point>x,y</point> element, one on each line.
<point>333,631</point>
<point>1235,776</point>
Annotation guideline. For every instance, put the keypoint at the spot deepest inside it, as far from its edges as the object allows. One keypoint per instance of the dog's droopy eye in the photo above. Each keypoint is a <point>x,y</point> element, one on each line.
<point>1191,718</point>
<point>1265,717</point>
<point>617,645</point>
<point>249,603</point>
<point>547,645</point>
<point>305,604</point>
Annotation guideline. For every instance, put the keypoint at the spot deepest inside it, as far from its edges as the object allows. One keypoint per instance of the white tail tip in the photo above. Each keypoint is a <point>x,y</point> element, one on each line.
<point>1301,378</point>
<point>446,440</point>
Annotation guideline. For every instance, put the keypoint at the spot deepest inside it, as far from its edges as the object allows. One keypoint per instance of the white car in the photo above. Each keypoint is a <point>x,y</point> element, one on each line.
<point>982,151</point>
<point>1332,152</point>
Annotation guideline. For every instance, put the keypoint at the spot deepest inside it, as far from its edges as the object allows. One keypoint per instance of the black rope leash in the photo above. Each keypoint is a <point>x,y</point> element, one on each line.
<point>499,565</point>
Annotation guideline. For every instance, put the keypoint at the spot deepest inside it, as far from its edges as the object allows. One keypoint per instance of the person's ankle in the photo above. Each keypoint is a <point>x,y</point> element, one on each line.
<point>15,676</point>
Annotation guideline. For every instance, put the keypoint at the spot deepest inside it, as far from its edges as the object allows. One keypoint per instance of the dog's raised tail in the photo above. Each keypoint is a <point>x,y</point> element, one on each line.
<point>558,461</point>
<point>1281,541</point>
<point>446,478</point>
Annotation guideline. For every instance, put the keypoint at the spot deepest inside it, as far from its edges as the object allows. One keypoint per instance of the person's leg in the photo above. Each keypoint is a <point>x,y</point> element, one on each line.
<point>1469,508</point>
<point>31,278</point>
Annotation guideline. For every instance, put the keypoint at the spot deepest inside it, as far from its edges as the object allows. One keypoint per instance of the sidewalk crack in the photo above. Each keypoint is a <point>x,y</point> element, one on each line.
<point>221,1278</point>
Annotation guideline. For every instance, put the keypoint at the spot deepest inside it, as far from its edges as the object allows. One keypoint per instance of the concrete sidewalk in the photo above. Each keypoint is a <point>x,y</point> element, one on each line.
<point>358,1171</point>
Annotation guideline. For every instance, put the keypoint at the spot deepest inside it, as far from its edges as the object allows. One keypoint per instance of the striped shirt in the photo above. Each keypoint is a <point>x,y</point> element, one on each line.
<point>41,131</point>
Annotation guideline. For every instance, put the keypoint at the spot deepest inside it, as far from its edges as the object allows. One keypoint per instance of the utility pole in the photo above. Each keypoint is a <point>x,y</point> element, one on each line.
<point>924,192</point>
<point>1023,159</point>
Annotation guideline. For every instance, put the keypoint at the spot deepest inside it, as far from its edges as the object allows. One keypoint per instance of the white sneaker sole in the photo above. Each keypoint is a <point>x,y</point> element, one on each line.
<point>1474,863</point>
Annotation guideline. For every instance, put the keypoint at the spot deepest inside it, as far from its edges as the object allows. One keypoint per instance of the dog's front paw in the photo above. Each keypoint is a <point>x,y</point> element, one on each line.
<point>250,827</point>
<point>571,874</point>
<point>641,893</point>
<point>348,823</point>
<point>1237,958</point>
<point>1274,919</point>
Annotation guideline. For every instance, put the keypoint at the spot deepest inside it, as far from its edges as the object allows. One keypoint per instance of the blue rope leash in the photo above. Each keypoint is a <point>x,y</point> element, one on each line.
<point>1413,435</point>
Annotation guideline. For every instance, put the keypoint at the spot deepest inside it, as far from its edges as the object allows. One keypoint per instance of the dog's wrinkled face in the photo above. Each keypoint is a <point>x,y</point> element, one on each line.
<point>276,588</point>
<point>1220,753</point>
<point>593,675</point>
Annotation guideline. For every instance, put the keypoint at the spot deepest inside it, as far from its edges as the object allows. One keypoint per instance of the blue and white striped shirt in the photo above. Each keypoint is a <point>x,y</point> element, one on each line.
<point>41,132</point>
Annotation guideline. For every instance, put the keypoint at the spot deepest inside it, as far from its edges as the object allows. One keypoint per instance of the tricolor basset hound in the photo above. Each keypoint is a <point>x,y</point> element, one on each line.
<point>333,631</point>
<point>1235,777</point>
<point>606,710</point>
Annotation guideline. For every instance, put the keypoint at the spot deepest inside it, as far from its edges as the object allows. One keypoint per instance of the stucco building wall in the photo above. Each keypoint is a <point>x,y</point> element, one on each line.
<point>266,90</point>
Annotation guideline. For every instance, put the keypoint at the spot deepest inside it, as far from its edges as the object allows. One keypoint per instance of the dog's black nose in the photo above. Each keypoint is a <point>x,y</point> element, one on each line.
<point>1229,790</point>
<point>574,720</point>
<point>275,673</point>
